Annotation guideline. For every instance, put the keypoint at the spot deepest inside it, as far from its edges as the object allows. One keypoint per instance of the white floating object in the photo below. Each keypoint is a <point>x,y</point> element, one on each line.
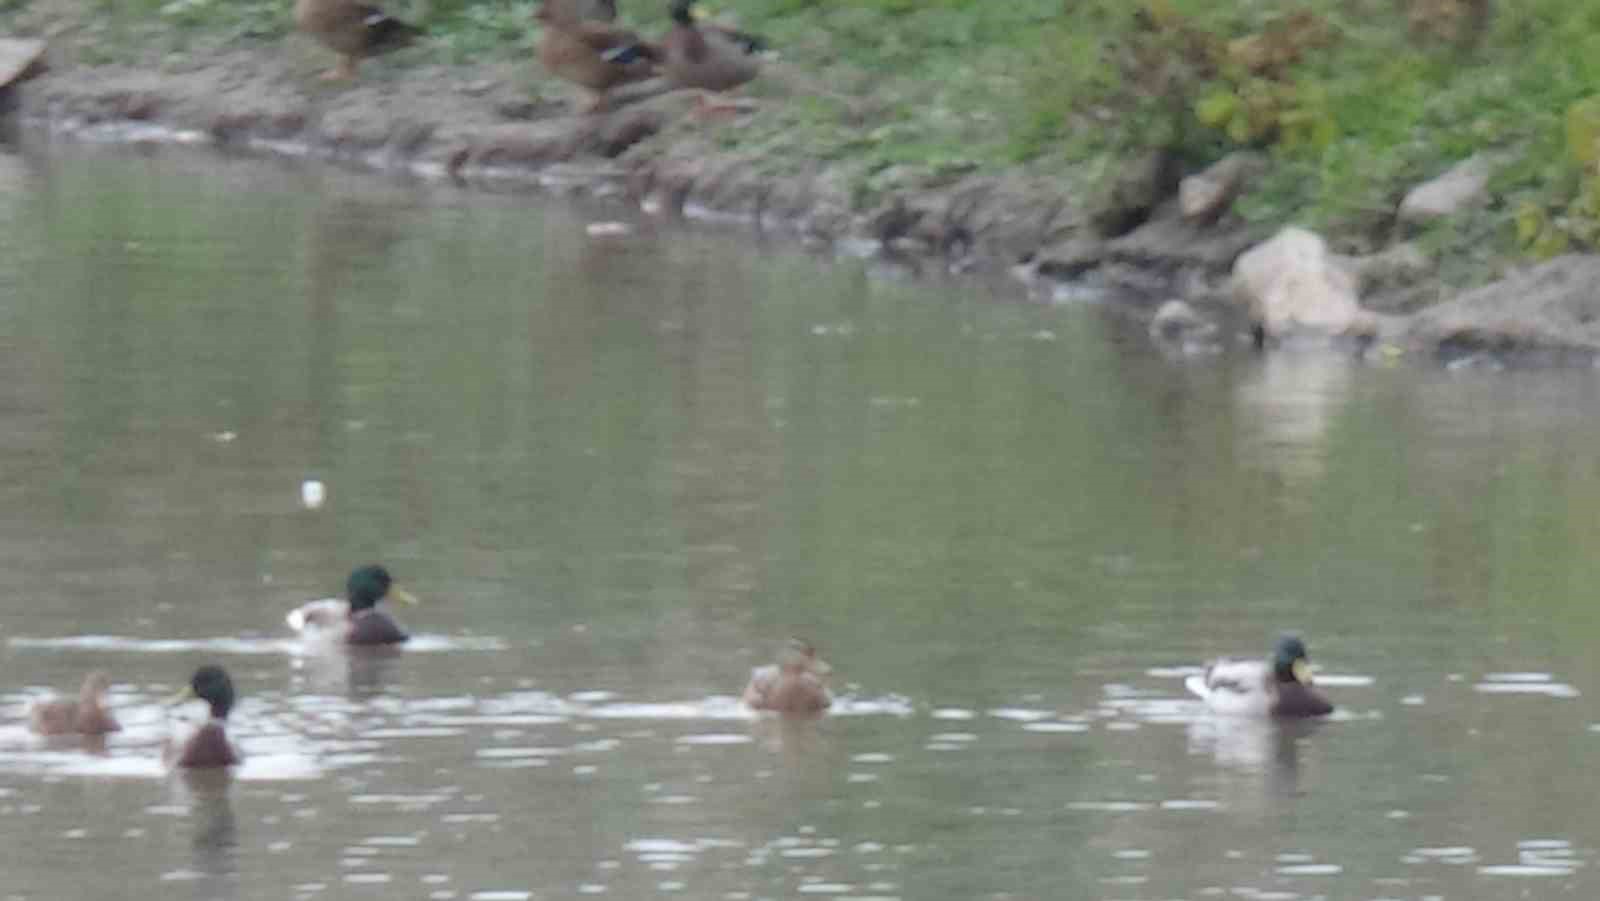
<point>608,229</point>
<point>313,493</point>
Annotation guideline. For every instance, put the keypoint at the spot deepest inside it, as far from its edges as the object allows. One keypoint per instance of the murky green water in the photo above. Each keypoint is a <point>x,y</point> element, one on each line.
<point>622,471</point>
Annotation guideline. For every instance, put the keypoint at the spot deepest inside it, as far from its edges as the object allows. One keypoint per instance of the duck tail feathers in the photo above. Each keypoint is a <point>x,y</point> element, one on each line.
<point>1197,687</point>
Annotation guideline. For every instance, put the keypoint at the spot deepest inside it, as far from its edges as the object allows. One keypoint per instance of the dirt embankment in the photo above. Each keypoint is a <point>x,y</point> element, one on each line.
<point>1151,237</point>
<point>477,125</point>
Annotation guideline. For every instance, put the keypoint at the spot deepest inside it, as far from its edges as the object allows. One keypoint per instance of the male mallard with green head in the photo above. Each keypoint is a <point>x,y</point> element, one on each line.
<point>796,684</point>
<point>85,715</point>
<point>355,619</point>
<point>351,29</point>
<point>704,56</point>
<point>1281,686</point>
<point>208,747</point>
<point>592,54</point>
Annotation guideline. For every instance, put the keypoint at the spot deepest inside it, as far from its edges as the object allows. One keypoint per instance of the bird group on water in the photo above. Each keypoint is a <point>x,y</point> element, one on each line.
<point>580,43</point>
<point>1280,687</point>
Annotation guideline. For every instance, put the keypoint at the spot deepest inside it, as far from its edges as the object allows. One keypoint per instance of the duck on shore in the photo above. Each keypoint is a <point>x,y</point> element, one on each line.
<point>705,56</point>
<point>85,715</point>
<point>591,53</point>
<point>208,746</point>
<point>796,684</point>
<point>355,619</point>
<point>353,30</point>
<point>1279,687</point>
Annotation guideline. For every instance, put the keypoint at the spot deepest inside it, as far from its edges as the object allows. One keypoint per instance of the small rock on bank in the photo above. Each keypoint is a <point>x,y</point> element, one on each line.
<point>1551,310</point>
<point>1462,186</point>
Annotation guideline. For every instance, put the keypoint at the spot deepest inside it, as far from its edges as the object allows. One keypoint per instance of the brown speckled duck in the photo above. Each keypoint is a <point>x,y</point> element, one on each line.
<point>796,684</point>
<point>208,747</point>
<point>705,56</point>
<point>351,29</point>
<point>87,715</point>
<point>592,54</point>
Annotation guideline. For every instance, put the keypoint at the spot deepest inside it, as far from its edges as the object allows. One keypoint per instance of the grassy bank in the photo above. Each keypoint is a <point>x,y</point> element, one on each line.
<point>1355,101</point>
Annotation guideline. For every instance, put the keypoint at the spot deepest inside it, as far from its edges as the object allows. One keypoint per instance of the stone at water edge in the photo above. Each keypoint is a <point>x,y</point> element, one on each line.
<point>20,60</point>
<point>1552,309</point>
<point>1292,287</point>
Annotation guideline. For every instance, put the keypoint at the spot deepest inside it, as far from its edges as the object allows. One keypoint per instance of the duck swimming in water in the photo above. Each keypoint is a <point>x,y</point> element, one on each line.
<point>355,619</point>
<point>85,715</point>
<point>1279,687</point>
<point>208,747</point>
<point>796,684</point>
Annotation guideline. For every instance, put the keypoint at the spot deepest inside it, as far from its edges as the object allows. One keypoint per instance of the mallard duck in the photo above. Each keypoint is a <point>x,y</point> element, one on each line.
<point>704,56</point>
<point>208,747</point>
<point>797,683</point>
<point>1278,687</point>
<point>351,29</point>
<point>355,619</point>
<point>87,715</point>
<point>591,54</point>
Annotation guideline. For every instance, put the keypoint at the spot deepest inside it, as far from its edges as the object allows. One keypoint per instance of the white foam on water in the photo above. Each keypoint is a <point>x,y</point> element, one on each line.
<point>715,738</point>
<point>1526,870</point>
<point>1311,869</point>
<point>1344,680</point>
<point>1548,689</point>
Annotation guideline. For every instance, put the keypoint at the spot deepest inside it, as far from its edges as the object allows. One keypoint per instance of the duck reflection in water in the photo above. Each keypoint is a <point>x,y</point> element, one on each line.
<point>1260,759</point>
<point>215,840</point>
<point>359,673</point>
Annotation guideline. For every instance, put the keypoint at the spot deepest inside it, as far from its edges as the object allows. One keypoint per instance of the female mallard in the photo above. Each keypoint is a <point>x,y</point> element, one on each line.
<point>355,619</point>
<point>351,29</point>
<point>707,57</point>
<point>208,747</point>
<point>1279,687</point>
<point>87,715</point>
<point>797,683</point>
<point>591,54</point>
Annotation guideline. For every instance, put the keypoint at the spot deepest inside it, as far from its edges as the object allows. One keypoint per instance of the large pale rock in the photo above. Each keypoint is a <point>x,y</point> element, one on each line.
<point>1551,310</point>
<point>1293,287</point>
<point>1205,196</point>
<point>1463,185</point>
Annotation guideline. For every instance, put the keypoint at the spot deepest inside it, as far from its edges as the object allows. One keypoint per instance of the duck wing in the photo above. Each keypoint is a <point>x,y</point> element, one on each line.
<point>1235,687</point>
<point>319,616</point>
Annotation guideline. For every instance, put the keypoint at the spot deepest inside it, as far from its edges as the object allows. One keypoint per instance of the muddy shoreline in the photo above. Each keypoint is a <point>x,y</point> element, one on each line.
<point>476,126</point>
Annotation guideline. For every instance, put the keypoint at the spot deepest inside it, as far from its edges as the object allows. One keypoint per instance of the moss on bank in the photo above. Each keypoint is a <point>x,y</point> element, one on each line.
<point>1355,100</point>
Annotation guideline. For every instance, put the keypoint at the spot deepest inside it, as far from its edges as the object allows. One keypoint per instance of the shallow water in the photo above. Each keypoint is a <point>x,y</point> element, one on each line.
<point>620,472</point>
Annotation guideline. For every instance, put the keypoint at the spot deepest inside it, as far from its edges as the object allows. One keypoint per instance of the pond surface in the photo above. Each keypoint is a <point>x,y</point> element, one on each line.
<point>621,471</point>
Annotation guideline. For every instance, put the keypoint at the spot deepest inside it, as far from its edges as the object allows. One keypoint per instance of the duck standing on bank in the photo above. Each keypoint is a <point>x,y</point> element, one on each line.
<point>1279,687</point>
<point>796,684</point>
<point>208,746</point>
<point>707,57</point>
<point>592,54</point>
<point>353,30</point>
<point>355,619</point>
<point>85,715</point>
